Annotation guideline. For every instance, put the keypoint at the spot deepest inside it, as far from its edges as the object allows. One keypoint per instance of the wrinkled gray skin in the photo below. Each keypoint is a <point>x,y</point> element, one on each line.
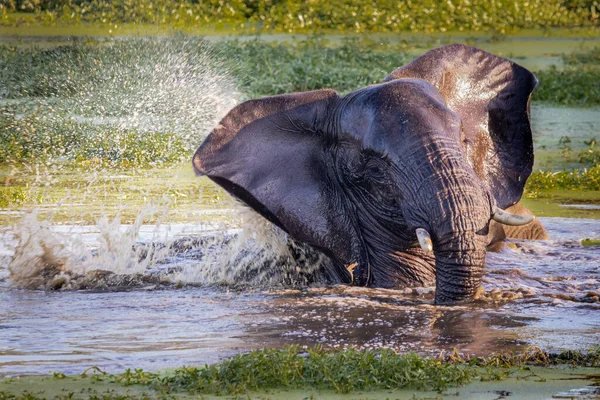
<point>438,146</point>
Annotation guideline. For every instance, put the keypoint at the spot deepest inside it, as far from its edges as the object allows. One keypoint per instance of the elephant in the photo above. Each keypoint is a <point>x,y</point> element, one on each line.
<point>403,183</point>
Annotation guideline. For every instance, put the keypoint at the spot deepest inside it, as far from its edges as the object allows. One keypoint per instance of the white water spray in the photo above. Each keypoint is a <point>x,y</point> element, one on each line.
<point>174,87</point>
<point>46,257</point>
<point>169,85</point>
<point>259,255</point>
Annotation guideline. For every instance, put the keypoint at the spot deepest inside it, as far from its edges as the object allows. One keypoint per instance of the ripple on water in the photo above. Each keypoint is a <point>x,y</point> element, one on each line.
<point>156,326</point>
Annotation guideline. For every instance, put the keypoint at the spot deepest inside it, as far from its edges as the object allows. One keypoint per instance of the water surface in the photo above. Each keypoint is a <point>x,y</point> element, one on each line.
<point>542,294</point>
<point>96,279</point>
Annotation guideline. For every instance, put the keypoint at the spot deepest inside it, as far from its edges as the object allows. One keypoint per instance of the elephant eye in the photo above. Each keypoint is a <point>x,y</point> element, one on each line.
<point>375,171</point>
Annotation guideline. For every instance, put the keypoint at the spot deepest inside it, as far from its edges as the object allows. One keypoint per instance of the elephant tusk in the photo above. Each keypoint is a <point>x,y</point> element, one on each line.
<point>424,240</point>
<point>506,218</point>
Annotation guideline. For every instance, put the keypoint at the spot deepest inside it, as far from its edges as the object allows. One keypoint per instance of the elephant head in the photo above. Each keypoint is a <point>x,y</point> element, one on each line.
<point>430,156</point>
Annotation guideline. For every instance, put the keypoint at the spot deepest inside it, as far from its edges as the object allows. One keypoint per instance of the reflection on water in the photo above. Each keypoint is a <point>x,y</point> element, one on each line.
<point>554,304</point>
<point>154,329</point>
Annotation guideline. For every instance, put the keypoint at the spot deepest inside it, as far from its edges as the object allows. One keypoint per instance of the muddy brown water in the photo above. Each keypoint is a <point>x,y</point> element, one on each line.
<point>542,294</point>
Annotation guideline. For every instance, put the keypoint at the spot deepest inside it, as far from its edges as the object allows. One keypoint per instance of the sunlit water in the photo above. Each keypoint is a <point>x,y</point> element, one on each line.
<point>537,294</point>
<point>156,296</point>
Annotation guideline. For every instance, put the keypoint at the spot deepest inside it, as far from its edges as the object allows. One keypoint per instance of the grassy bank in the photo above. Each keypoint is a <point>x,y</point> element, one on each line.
<point>292,373</point>
<point>318,15</point>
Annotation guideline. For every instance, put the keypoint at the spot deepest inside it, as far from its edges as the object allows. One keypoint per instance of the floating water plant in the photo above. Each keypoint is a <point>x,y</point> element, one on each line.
<point>578,179</point>
<point>590,242</point>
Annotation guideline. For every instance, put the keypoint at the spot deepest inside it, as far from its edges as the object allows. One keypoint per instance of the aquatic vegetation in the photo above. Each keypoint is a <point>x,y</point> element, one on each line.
<point>264,68</point>
<point>345,371</point>
<point>590,242</point>
<point>578,179</point>
<point>585,177</point>
<point>591,155</point>
<point>575,86</point>
<point>137,100</point>
<point>90,394</point>
<point>316,63</point>
<point>136,377</point>
<point>271,15</point>
<point>260,68</point>
<point>532,356</point>
<point>591,57</point>
<point>350,370</point>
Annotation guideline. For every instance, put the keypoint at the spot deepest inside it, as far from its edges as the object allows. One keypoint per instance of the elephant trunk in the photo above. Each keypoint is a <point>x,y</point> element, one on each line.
<point>459,261</point>
<point>459,220</point>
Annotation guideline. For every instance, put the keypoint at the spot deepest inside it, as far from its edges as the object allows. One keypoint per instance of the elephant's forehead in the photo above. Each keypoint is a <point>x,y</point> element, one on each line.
<point>389,116</point>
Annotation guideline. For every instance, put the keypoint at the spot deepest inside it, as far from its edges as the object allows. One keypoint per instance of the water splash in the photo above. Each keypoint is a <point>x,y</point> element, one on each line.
<point>110,255</point>
<point>45,258</point>
<point>40,255</point>
<point>259,255</point>
<point>132,102</point>
<point>173,85</point>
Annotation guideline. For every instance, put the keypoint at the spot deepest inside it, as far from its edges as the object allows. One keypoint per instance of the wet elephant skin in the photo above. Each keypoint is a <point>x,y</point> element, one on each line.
<point>442,143</point>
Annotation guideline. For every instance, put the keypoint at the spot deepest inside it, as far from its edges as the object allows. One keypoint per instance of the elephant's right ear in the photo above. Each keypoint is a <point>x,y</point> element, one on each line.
<point>491,95</point>
<point>268,153</point>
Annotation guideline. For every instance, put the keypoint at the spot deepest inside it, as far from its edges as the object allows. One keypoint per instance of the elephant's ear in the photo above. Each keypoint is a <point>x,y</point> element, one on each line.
<point>491,95</point>
<point>268,153</point>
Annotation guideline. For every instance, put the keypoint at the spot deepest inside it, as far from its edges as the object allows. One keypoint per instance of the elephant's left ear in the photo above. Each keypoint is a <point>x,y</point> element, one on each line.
<point>491,96</point>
